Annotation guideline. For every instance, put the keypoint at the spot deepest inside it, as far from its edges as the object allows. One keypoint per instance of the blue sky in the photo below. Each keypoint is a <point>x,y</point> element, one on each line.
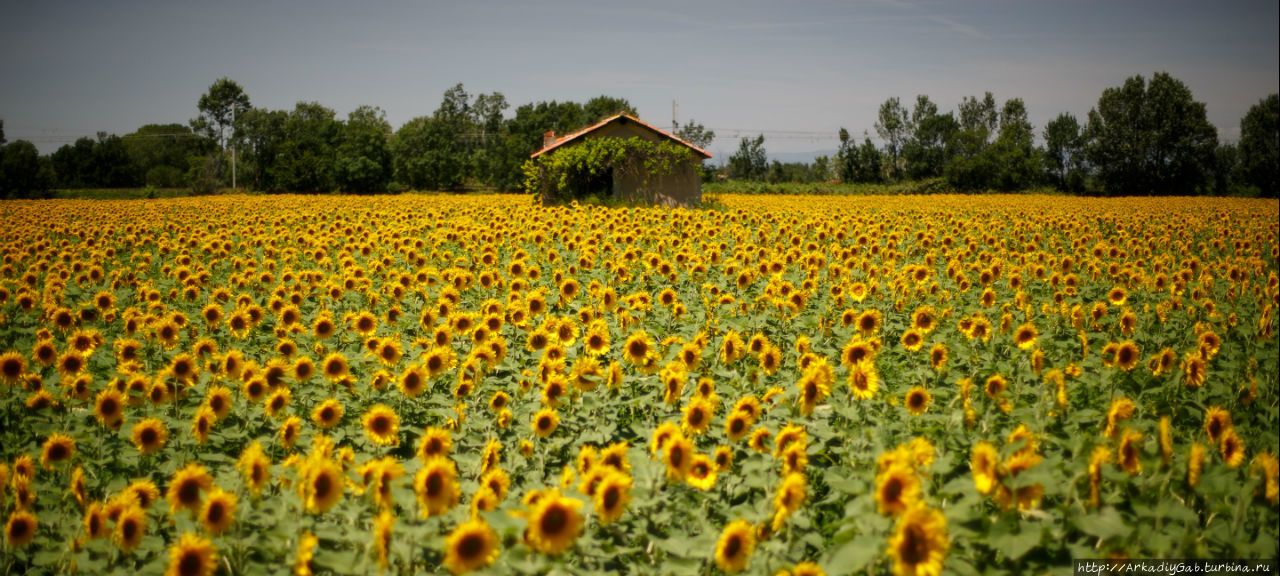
<point>798,71</point>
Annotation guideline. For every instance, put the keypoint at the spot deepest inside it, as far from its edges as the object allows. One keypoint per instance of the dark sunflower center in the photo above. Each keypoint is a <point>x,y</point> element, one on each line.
<point>435,485</point>
<point>471,546</point>
<point>322,486</point>
<point>189,492</point>
<point>190,564</point>
<point>733,547</point>
<point>915,547</point>
<point>554,521</point>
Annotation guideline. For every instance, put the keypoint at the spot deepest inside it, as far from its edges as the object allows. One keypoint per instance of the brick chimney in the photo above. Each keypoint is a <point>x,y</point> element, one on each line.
<point>548,138</point>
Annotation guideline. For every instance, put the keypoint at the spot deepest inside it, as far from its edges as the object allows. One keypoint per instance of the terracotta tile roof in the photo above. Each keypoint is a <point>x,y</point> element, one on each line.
<point>623,117</point>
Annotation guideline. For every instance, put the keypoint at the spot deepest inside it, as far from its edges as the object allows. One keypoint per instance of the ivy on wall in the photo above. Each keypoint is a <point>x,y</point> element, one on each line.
<point>562,175</point>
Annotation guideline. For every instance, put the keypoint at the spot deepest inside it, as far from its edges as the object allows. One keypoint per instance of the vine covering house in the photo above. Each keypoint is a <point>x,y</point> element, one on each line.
<point>620,157</point>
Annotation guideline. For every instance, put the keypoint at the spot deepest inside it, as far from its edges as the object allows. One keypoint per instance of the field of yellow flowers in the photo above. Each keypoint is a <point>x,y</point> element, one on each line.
<point>785,385</point>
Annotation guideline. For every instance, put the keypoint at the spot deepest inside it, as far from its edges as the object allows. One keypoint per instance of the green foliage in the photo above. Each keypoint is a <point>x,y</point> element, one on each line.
<point>1260,146</point>
<point>159,153</point>
<point>364,156</point>
<point>23,173</point>
<point>1064,152</point>
<point>1151,138</point>
<point>750,162</point>
<point>893,124</point>
<point>858,164</point>
<point>306,158</point>
<point>696,134</point>
<point>219,108</point>
<point>590,166</point>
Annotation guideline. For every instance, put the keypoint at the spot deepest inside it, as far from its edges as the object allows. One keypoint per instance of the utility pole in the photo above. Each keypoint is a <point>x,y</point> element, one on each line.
<point>233,146</point>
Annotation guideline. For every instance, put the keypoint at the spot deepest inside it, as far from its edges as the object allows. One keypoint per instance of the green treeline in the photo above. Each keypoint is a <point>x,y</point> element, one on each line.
<point>1146,137</point>
<point>1142,138</point>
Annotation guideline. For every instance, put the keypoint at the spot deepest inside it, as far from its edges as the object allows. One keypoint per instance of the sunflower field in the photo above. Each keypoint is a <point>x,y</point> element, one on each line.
<point>784,385</point>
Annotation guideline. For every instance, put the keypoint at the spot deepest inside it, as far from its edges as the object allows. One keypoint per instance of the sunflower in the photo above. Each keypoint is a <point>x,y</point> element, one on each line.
<point>290,431</point>
<point>192,556</point>
<point>186,486</point>
<point>737,426</point>
<point>472,545</point>
<point>44,353</point>
<point>381,425</point>
<point>277,401</point>
<point>255,466</point>
<point>1216,422</point>
<point>917,400</point>
<point>863,379</point>
<point>435,442</point>
<point>770,359</point>
<point>306,553</point>
<point>983,461</point>
<point>95,521</point>
<point>70,364</point>
<point>554,523</point>
<point>1232,448</point>
<point>697,416</point>
<point>219,399</point>
<point>149,435</point>
<point>323,484</point>
<point>436,486</point>
<point>545,422</point>
<point>382,531</point>
<point>612,495</point>
<point>144,493</point>
<point>919,542</point>
<point>12,366</point>
<point>1121,409</point>
<point>869,322</point>
<point>897,490</point>
<point>1025,336</point>
<point>1130,452</point>
<point>131,527</point>
<point>791,494</point>
<point>1193,369</point>
<point>203,423</point>
<point>219,511</point>
<point>732,348</point>
<point>21,528</point>
<point>759,440</point>
<point>662,435</point>
<point>678,455</point>
<point>1127,355</point>
<point>615,456</point>
<point>327,414</point>
<point>702,472</point>
<point>58,447</point>
<point>815,386</point>
<point>335,367</point>
<point>736,544</point>
<point>638,348</point>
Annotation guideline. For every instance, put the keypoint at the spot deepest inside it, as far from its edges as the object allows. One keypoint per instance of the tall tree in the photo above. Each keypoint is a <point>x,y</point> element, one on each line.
<point>893,124</point>
<point>601,107</point>
<point>364,157</point>
<point>160,152</point>
<point>23,173</point>
<point>1151,138</point>
<point>926,152</point>
<point>750,162</point>
<point>262,136</point>
<point>218,109</point>
<point>1017,162</point>
<point>1259,148</point>
<point>696,134</point>
<point>307,155</point>
<point>1064,152</point>
<point>490,128</point>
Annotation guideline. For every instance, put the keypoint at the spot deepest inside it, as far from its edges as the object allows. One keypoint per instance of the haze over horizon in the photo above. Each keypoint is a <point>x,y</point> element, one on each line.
<point>796,72</point>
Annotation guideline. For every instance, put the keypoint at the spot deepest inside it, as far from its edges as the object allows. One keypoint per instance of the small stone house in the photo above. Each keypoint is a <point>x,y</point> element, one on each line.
<point>682,187</point>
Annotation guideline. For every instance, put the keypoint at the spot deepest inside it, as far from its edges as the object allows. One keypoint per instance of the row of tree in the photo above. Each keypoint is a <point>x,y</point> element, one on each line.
<point>1143,138</point>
